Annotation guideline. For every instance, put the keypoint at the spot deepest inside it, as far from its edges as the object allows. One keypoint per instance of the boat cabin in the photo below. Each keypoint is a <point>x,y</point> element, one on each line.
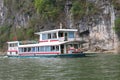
<point>64,38</point>
<point>58,41</point>
<point>57,35</point>
<point>13,46</point>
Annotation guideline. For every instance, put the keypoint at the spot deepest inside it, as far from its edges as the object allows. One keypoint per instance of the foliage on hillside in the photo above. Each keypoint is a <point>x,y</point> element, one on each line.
<point>116,4</point>
<point>117,27</point>
<point>81,8</point>
<point>9,30</point>
<point>53,9</point>
<point>50,9</point>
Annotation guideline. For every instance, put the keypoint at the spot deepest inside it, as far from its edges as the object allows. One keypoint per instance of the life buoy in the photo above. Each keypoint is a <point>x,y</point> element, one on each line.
<point>79,49</point>
<point>68,50</point>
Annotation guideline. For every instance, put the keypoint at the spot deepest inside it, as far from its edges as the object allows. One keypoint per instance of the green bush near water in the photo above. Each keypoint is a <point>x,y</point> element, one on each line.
<point>117,27</point>
<point>4,35</point>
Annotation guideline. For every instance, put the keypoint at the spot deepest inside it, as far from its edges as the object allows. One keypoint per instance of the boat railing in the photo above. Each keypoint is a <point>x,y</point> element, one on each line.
<point>82,39</point>
<point>12,48</point>
<point>71,39</point>
<point>61,39</point>
<point>27,42</point>
<point>78,39</point>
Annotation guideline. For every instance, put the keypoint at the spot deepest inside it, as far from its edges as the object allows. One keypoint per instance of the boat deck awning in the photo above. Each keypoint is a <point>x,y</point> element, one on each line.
<point>56,30</point>
<point>42,44</point>
<point>48,44</point>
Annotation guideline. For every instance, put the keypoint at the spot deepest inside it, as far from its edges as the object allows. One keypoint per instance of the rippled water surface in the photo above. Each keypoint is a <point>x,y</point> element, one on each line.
<point>99,67</point>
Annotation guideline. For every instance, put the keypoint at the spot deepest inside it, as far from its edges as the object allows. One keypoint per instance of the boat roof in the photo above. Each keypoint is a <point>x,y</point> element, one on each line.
<point>42,44</point>
<point>56,30</point>
<point>27,41</point>
<point>10,42</point>
<point>46,44</point>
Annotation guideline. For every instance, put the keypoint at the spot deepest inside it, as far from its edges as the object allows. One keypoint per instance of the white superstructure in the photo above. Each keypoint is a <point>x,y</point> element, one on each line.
<point>52,42</point>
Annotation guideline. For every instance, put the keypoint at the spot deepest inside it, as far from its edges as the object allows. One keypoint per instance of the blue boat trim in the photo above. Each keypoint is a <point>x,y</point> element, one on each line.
<point>55,56</point>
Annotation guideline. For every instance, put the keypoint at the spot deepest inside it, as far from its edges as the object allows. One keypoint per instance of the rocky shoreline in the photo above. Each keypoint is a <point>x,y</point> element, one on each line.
<point>3,53</point>
<point>107,51</point>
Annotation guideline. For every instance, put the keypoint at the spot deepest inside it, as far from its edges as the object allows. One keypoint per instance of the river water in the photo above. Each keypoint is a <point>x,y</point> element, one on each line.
<point>98,67</point>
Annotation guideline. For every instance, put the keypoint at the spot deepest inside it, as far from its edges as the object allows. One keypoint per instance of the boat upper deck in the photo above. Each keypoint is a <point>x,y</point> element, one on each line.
<point>59,35</point>
<point>51,37</point>
<point>56,30</point>
<point>17,43</point>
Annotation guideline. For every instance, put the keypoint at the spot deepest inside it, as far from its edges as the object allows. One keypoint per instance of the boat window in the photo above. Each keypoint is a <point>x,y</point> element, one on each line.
<point>33,49</point>
<point>37,49</point>
<point>71,34</point>
<point>57,48</point>
<point>60,34</point>
<point>44,36</point>
<point>42,48</point>
<point>49,36</point>
<point>29,49</point>
<point>13,45</point>
<point>52,48</point>
<point>47,48</point>
<point>20,49</point>
<point>70,45</point>
<point>16,44</point>
<point>25,49</point>
<point>54,35</point>
<point>76,46</point>
<point>10,45</point>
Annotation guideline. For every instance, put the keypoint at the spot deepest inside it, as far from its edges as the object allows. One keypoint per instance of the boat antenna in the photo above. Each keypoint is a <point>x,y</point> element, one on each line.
<point>60,25</point>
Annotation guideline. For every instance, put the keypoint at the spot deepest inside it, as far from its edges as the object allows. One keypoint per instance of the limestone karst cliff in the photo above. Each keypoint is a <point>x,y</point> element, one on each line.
<point>95,20</point>
<point>100,27</point>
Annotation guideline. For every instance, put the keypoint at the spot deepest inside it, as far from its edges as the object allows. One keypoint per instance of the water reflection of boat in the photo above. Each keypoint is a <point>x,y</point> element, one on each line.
<point>52,43</point>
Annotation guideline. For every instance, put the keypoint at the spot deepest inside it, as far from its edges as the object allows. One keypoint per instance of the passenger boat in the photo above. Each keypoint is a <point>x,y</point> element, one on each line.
<point>52,43</point>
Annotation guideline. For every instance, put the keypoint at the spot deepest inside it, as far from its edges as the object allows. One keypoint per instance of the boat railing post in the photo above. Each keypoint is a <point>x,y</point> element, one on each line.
<point>59,49</point>
<point>57,36</point>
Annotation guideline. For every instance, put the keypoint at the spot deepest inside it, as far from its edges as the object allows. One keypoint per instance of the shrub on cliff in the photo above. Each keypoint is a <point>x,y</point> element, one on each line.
<point>117,27</point>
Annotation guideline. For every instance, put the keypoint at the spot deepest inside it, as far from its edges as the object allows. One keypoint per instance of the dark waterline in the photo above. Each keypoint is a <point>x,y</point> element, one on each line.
<point>99,67</point>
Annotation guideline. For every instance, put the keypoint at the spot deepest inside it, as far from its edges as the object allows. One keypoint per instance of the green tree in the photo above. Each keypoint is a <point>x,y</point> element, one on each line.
<point>82,8</point>
<point>49,9</point>
<point>78,9</point>
<point>117,25</point>
<point>4,35</point>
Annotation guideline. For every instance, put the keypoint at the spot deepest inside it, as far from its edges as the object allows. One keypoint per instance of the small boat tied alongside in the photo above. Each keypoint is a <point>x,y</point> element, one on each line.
<point>52,43</point>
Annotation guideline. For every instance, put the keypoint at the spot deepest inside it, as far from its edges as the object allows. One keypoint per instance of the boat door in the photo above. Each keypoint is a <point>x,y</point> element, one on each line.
<point>62,49</point>
<point>66,36</point>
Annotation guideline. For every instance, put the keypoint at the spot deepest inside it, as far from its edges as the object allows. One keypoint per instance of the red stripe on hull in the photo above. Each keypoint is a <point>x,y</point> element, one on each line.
<point>47,53</point>
<point>43,41</point>
<point>12,51</point>
<point>48,40</point>
<point>34,53</point>
<point>26,54</point>
<point>53,40</point>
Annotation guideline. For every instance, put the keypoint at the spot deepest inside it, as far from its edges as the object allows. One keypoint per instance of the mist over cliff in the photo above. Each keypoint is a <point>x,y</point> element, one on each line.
<point>97,21</point>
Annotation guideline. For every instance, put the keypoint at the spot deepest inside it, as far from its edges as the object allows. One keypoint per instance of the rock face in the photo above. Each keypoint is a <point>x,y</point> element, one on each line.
<point>2,12</point>
<point>102,35</point>
<point>100,28</point>
<point>15,13</point>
